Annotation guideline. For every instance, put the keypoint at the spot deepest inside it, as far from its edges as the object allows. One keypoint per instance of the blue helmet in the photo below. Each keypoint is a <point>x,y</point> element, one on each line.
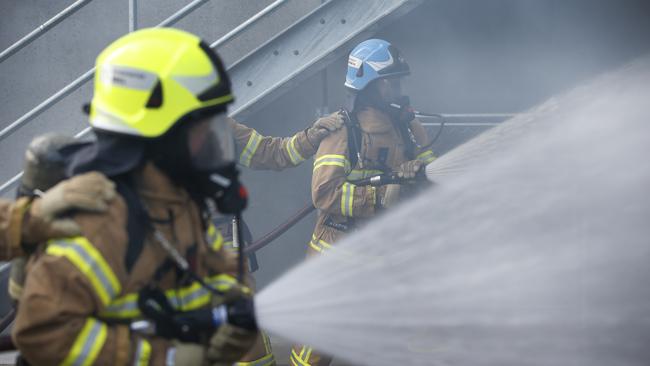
<point>371,60</point>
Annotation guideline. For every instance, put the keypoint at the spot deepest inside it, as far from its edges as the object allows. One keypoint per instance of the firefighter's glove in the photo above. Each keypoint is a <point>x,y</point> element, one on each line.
<point>87,192</point>
<point>389,195</point>
<point>323,127</point>
<point>230,343</point>
<point>409,169</point>
<point>190,354</point>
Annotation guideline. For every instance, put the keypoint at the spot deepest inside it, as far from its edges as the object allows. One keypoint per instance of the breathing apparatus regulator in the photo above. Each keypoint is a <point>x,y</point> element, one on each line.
<point>167,88</point>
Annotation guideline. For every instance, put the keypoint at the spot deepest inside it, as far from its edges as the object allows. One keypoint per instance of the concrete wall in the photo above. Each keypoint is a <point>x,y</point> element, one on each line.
<point>466,56</point>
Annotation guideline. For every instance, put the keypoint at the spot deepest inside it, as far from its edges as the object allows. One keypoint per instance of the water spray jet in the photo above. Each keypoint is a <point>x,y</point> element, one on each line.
<point>532,250</point>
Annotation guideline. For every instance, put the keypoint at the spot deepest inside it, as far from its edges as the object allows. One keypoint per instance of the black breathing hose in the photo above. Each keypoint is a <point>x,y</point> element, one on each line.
<point>442,125</point>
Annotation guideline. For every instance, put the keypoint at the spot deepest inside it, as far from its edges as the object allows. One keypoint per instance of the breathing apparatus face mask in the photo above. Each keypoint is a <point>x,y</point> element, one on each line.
<point>211,144</point>
<point>392,90</point>
<point>211,148</point>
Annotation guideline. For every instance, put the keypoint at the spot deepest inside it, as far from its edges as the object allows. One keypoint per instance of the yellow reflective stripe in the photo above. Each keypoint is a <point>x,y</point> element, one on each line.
<point>426,157</point>
<point>123,307</point>
<point>319,245</point>
<point>267,343</point>
<point>315,246</point>
<point>143,353</point>
<point>214,238</point>
<point>87,345</point>
<point>294,155</point>
<point>219,100</point>
<point>217,244</point>
<point>313,243</point>
<point>356,174</point>
<point>332,160</point>
<point>90,262</point>
<point>191,298</point>
<point>229,245</point>
<point>267,360</point>
<point>347,199</point>
<point>184,299</point>
<point>308,354</point>
<point>223,282</point>
<point>324,244</point>
<point>351,201</point>
<point>250,149</point>
<point>344,197</point>
<point>298,358</point>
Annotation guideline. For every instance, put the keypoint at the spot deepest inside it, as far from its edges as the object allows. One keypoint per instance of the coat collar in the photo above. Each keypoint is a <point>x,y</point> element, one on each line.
<point>373,120</point>
<point>154,185</point>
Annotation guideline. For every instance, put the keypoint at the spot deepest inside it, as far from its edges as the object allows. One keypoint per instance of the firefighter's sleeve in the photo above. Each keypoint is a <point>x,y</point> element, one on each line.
<point>11,220</point>
<point>425,154</point>
<point>330,190</point>
<point>272,153</point>
<point>67,286</point>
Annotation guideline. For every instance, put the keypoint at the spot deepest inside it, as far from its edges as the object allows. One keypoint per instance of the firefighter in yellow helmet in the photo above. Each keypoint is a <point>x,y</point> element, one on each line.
<point>140,284</point>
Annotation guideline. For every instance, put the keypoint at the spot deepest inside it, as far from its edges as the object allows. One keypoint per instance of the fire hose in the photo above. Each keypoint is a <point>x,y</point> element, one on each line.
<point>275,233</point>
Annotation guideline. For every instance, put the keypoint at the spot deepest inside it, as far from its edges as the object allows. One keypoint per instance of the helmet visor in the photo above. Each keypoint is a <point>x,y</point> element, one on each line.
<point>211,143</point>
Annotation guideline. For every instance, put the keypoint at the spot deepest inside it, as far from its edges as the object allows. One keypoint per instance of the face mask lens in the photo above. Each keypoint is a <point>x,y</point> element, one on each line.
<point>211,143</point>
<point>395,85</point>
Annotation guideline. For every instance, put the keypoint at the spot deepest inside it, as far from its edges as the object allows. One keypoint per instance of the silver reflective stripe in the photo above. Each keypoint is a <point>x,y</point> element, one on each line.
<point>143,353</point>
<point>170,359</point>
<point>98,272</point>
<point>128,77</point>
<point>347,198</point>
<point>129,306</point>
<point>196,294</point>
<point>294,155</point>
<point>250,149</point>
<point>89,343</point>
<point>332,161</point>
<point>106,121</point>
<point>380,65</point>
<point>197,84</point>
<point>191,297</point>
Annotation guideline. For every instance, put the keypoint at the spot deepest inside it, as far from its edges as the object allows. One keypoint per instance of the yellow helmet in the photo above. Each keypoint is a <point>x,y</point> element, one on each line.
<point>149,80</point>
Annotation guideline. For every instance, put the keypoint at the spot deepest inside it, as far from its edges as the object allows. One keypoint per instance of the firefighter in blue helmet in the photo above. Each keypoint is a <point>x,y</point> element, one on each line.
<point>382,136</point>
